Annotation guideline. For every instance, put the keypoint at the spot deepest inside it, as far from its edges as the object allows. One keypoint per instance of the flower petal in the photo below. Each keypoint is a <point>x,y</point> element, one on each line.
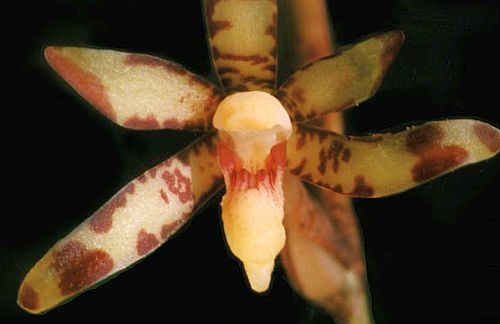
<point>340,81</point>
<point>381,165</point>
<point>322,255</point>
<point>243,39</point>
<point>131,225</point>
<point>135,90</point>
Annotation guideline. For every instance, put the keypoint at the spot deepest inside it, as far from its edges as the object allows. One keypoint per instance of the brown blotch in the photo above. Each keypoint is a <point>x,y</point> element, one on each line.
<point>79,267</point>
<point>228,69</point>
<point>438,160</point>
<point>173,123</point>
<point>164,196</point>
<point>265,83</point>
<point>299,168</point>
<point>217,26</point>
<point>269,67</point>
<point>346,155</point>
<point>361,188</point>
<point>85,83</point>
<point>142,178</point>
<point>102,220</point>
<point>137,122</point>
<point>146,242</point>
<point>298,95</point>
<point>148,60</point>
<point>338,188</point>
<point>323,158</point>
<point>488,135</point>
<point>253,59</point>
<point>423,138</point>
<point>28,297</point>
<point>178,184</point>
<point>168,229</point>
<point>336,148</point>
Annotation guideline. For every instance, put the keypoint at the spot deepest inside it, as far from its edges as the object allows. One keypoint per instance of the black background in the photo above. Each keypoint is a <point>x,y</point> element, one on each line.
<point>432,253</point>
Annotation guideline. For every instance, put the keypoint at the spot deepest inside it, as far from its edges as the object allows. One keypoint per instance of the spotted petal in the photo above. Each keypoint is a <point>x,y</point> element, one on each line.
<point>340,81</point>
<point>132,224</point>
<point>381,165</point>
<point>243,43</point>
<point>135,90</point>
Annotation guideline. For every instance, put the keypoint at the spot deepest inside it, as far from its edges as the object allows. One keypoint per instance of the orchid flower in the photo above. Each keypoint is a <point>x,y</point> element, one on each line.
<point>260,144</point>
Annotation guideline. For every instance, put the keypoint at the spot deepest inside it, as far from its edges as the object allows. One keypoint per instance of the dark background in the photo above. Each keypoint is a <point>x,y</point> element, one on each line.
<point>432,253</point>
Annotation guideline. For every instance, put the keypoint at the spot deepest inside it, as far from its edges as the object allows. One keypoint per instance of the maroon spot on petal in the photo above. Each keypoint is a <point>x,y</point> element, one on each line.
<point>85,83</point>
<point>168,229</point>
<point>323,158</point>
<point>252,59</point>
<point>338,188</point>
<point>361,188</point>
<point>164,196</point>
<point>142,178</point>
<point>299,168</point>
<point>102,220</point>
<point>178,184</point>
<point>258,81</point>
<point>346,155</point>
<point>228,69</point>
<point>217,26</point>
<point>28,297</point>
<point>136,122</point>
<point>298,95</point>
<point>79,267</point>
<point>269,67</point>
<point>336,148</point>
<point>148,60</point>
<point>173,123</point>
<point>488,135</point>
<point>423,138</point>
<point>146,242</point>
<point>438,160</point>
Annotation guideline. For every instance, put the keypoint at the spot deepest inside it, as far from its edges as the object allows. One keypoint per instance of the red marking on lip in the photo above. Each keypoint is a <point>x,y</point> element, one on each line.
<point>146,242</point>
<point>488,135</point>
<point>79,267</point>
<point>438,160</point>
<point>85,83</point>
<point>236,176</point>
<point>28,297</point>
<point>102,220</point>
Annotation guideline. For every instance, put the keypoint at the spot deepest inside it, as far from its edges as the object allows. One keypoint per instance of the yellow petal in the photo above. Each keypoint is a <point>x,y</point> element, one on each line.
<point>381,165</point>
<point>322,255</point>
<point>340,81</point>
<point>132,224</point>
<point>243,39</point>
<point>135,90</point>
